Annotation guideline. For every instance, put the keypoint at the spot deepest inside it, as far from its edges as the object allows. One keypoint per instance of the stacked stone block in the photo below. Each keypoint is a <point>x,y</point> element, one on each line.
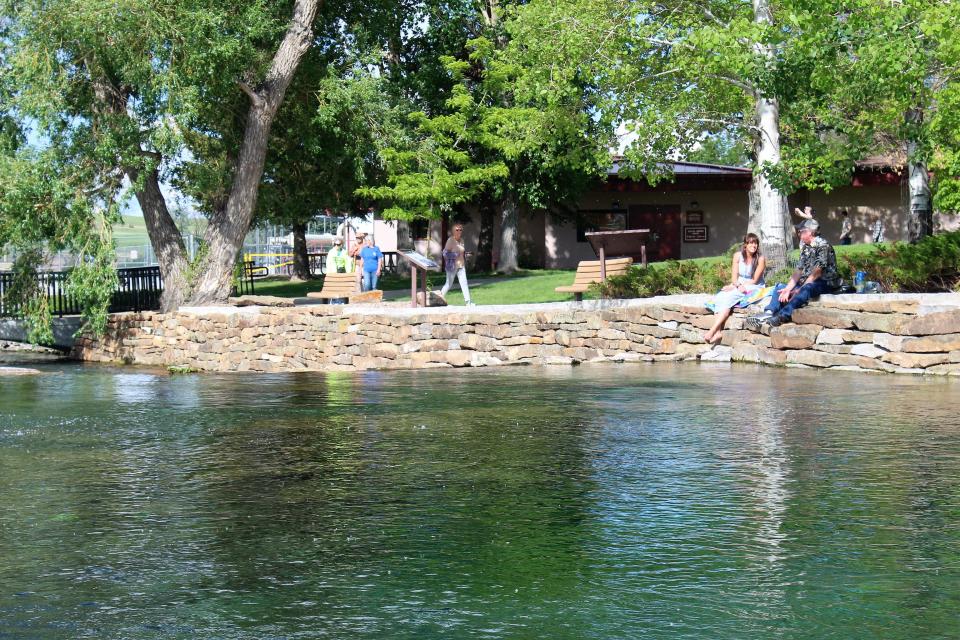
<point>900,334</point>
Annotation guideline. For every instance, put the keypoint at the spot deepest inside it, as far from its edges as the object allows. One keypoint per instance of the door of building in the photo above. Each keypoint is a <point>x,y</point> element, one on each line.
<point>663,220</point>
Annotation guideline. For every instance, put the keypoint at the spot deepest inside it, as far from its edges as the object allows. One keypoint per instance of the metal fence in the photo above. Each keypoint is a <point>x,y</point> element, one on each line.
<point>137,290</point>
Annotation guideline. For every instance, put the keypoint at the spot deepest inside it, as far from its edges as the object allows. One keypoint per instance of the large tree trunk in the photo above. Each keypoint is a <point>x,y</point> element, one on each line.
<point>166,240</point>
<point>226,231</point>
<point>484,261</point>
<point>769,216</point>
<point>509,219</point>
<point>301,261</point>
<point>111,102</point>
<point>920,217</point>
<point>404,241</point>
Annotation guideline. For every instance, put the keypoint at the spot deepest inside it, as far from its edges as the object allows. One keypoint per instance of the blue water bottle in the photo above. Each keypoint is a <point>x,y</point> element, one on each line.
<point>858,280</point>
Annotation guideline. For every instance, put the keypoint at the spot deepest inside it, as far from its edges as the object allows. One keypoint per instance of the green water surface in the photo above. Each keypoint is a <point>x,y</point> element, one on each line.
<point>615,501</point>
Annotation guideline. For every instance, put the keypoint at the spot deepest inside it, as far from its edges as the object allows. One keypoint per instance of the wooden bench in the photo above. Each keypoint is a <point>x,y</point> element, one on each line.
<point>336,285</point>
<point>588,273</point>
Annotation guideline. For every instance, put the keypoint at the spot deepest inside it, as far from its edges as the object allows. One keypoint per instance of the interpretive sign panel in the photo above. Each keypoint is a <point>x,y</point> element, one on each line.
<point>420,261</point>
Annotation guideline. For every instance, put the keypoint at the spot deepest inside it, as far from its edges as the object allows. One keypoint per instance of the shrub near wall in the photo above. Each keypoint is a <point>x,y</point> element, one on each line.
<point>931,265</point>
<point>669,278</point>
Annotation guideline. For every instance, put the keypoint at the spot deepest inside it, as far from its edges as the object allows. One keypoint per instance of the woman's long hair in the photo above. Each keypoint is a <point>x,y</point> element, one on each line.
<point>750,237</point>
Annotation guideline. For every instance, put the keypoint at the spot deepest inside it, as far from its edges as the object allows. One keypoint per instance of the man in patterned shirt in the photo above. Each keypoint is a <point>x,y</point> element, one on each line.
<point>816,274</point>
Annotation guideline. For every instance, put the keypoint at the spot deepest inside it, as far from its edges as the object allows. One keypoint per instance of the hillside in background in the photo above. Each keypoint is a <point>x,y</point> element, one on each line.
<point>132,232</point>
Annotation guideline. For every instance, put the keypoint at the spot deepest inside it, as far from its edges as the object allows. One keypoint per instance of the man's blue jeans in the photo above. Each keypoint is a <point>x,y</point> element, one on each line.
<point>369,281</point>
<point>814,289</point>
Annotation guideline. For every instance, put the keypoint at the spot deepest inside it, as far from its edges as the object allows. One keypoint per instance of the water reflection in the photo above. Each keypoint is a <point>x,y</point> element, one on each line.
<point>608,502</point>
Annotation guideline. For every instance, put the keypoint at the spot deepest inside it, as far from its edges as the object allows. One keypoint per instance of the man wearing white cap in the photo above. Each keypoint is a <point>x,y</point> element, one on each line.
<point>816,274</point>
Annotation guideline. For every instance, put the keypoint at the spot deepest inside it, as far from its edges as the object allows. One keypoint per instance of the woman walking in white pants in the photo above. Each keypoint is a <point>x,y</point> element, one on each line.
<point>454,263</point>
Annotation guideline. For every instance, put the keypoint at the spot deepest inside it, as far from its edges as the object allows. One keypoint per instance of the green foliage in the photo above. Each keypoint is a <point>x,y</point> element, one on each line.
<point>931,265</point>
<point>725,148</point>
<point>325,142</point>
<point>92,283</point>
<point>509,129</point>
<point>783,275</point>
<point>669,278</point>
<point>27,295</point>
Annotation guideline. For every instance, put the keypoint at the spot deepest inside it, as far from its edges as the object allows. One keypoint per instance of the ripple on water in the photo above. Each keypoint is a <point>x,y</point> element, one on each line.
<point>607,502</point>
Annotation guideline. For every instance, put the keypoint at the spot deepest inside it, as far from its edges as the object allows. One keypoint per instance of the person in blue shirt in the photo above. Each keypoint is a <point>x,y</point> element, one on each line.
<point>372,261</point>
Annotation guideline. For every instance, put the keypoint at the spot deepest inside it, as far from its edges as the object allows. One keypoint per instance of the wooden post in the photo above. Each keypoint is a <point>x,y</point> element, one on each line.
<point>603,264</point>
<point>413,286</point>
<point>423,276</point>
<point>643,255</point>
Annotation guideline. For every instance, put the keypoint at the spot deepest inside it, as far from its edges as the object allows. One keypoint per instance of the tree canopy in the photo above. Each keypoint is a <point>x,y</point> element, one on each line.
<point>284,109</point>
<point>510,134</point>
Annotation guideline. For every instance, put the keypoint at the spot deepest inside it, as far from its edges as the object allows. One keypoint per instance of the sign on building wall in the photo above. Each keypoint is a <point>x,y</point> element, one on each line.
<point>696,233</point>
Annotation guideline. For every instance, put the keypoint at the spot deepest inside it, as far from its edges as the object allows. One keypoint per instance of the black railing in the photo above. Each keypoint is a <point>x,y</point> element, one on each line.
<point>137,289</point>
<point>52,285</point>
<point>243,285</point>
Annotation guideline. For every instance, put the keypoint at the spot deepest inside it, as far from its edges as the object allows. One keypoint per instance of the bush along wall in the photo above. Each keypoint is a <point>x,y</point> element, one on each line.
<point>929,266</point>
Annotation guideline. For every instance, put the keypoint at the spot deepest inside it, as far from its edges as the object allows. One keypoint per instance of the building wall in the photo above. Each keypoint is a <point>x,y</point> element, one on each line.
<point>946,221</point>
<point>724,213</point>
<point>862,203</point>
<point>553,244</point>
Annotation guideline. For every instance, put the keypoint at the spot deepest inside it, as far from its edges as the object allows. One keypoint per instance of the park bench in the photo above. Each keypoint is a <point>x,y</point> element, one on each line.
<point>589,272</point>
<point>344,285</point>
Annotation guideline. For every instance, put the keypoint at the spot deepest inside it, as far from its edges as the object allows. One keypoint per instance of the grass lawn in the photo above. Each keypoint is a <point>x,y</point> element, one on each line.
<point>532,286</point>
<point>486,288</point>
<point>489,288</point>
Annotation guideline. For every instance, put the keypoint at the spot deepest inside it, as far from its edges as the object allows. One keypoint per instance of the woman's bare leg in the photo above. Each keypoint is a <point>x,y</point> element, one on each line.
<point>717,327</point>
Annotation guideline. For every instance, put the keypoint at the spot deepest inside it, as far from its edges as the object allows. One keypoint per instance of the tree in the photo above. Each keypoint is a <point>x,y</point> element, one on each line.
<point>509,136</point>
<point>324,147</point>
<point>880,81</point>
<point>676,71</point>
<point>874,84</point>
<point>145,89</point>
<point>943,122</point>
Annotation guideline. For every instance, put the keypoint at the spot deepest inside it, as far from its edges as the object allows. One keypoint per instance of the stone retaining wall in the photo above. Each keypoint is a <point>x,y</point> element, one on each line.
<point>882,333</point>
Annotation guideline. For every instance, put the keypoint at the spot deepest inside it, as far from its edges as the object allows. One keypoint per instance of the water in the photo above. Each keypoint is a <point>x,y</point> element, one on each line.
<point>633,501</point>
